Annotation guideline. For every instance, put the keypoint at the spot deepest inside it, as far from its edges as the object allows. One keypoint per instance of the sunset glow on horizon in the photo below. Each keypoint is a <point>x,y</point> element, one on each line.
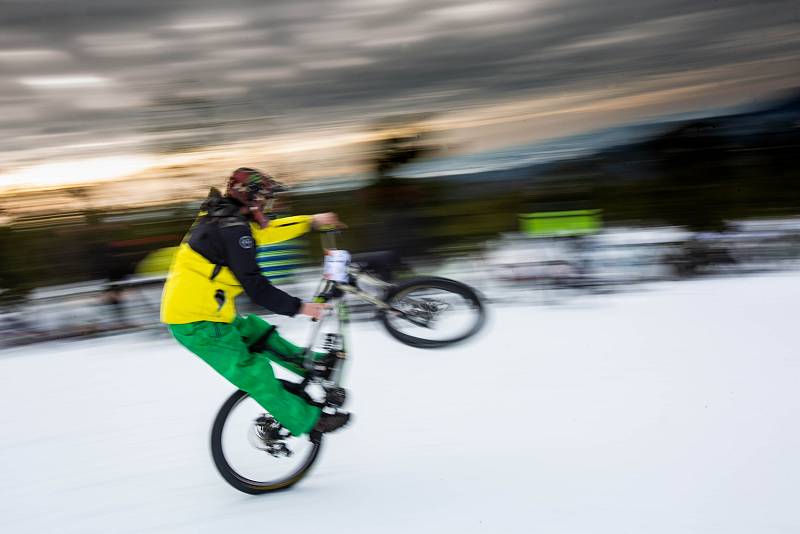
<point>74,172</point>
<point>99,92</point>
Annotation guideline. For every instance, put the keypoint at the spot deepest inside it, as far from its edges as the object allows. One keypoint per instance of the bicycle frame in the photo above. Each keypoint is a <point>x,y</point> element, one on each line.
<point>335,293</point>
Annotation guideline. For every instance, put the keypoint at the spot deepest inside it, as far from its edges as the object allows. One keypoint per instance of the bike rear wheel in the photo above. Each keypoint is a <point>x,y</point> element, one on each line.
<point>433,312</point>
<point>240,452</point>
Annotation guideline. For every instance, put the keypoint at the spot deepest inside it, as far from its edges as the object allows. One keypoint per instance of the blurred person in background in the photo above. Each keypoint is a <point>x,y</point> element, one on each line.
<point>214,264</point>
<point>112,262</point>
<point>399,231</point>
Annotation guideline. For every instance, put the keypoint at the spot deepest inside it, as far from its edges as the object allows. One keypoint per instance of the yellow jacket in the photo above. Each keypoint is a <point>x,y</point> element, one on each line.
<point>193,292</point>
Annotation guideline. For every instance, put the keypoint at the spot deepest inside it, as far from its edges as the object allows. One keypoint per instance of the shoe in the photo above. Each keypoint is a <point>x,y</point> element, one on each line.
<point>330,422</point>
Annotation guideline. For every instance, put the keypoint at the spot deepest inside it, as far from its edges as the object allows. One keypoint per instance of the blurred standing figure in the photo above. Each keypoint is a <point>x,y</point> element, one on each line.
<point>214,264</point>
<point>112,262</point>
<point>397,230</point>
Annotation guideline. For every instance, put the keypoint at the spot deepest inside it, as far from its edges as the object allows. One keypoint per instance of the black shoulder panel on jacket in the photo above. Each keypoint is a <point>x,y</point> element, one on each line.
<point>232,245</point>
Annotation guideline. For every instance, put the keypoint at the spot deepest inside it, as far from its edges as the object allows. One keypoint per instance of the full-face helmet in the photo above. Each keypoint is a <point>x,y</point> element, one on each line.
<point>255,190</point>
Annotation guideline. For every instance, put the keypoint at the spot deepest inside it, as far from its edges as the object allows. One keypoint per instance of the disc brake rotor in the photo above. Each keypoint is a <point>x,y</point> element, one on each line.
<point>266,434</point>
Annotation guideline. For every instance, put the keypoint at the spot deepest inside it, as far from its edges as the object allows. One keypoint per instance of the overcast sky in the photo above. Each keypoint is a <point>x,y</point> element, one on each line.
<point>81,78</point>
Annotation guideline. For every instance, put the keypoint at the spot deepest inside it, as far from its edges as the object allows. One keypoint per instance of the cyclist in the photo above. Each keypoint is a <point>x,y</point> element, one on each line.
<point>214,264</point>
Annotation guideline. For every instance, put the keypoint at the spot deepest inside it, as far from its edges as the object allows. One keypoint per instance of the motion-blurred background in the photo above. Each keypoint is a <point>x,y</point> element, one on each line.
<point>534,149</point>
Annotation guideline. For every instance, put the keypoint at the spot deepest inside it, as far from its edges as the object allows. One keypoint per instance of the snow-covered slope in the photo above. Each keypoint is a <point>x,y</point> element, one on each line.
<point>672,410</point>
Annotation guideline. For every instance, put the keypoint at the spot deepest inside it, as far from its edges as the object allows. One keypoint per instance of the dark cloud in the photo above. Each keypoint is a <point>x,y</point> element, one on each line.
<point>81,72</point>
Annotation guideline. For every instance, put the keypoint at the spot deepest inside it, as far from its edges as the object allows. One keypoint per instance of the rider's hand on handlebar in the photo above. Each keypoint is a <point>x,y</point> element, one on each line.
<point>327,219</point>
<point>313,309</point>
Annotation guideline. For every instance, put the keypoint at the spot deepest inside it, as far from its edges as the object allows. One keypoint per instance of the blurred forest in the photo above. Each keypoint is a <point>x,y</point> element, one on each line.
<point>696,174</point>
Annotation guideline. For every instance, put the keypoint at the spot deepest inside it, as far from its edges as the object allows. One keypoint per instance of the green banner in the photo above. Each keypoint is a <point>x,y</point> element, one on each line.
<point>561,223</point>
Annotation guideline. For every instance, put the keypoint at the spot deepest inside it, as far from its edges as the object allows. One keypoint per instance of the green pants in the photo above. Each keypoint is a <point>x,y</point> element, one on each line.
<point>226,348</point>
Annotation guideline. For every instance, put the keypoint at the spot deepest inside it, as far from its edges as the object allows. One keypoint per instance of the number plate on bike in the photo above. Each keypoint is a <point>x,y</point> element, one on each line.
<point>336,262</point>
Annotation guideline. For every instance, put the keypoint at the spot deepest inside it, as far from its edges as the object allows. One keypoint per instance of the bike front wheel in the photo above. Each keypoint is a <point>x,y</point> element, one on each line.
<point>246,455</point>
<point>433,312</point>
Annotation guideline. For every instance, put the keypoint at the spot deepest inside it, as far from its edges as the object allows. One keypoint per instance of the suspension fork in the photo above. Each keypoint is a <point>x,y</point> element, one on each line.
<point>343,315</point>
<point>326,292</point>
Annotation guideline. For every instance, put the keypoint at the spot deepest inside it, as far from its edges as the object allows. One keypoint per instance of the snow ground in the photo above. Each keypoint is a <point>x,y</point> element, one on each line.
<point>672,410</point>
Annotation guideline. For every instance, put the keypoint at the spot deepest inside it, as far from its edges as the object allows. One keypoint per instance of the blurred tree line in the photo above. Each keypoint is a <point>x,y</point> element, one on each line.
<point>696,174</point>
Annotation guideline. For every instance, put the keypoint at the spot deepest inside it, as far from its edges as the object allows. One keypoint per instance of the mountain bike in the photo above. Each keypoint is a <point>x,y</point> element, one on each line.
<point>251,450</point>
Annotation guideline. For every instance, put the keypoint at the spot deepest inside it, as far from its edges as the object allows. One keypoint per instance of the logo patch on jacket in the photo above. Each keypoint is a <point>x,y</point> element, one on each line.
<point>246,241</point>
